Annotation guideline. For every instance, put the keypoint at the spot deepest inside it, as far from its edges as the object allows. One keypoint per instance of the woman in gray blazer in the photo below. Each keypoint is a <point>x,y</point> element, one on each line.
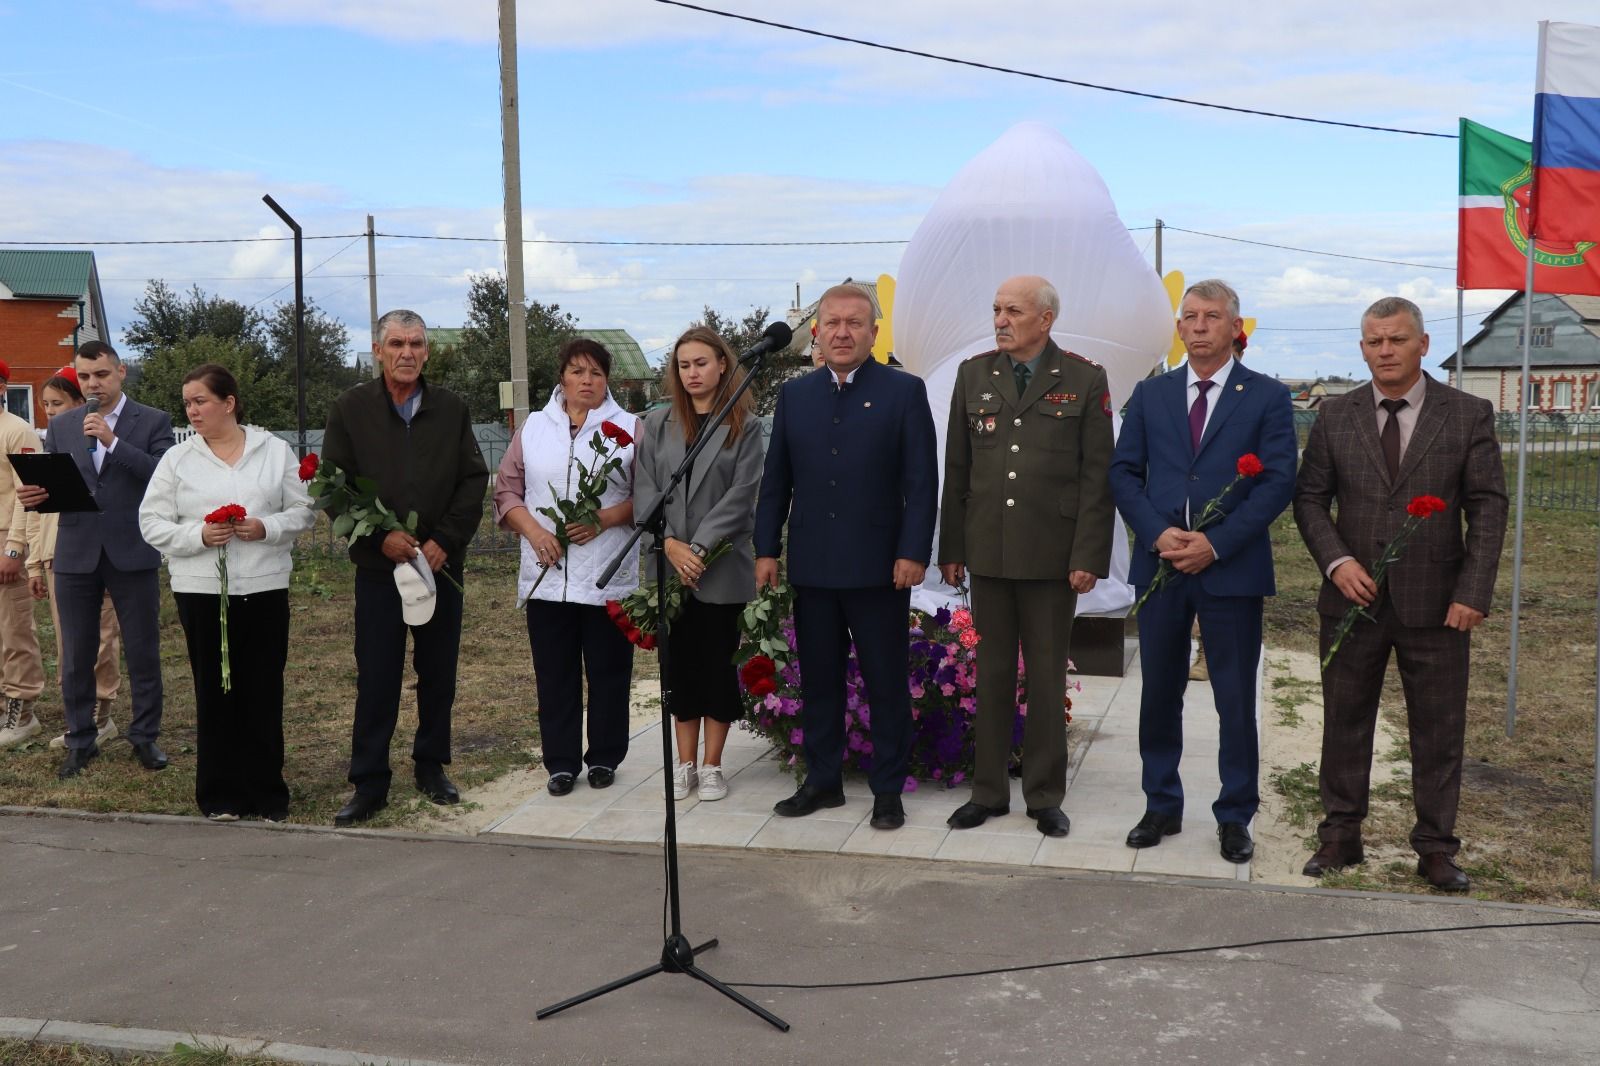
<point>715,505</point>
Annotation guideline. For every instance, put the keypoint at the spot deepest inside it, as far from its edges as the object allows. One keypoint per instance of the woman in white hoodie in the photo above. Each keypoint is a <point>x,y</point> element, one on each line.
<point>572,638</point>
<point>239,732</point>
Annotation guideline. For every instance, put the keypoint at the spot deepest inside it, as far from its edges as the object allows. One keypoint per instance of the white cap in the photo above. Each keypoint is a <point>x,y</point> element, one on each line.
<point>417,590</point>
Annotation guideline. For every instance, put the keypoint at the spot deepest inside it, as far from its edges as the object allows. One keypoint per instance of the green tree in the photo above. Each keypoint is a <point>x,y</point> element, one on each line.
<point>327,372</point>
<point>475,368</point>
<point>163,318</point>
<point>742,334</point>
<point>260,387</point>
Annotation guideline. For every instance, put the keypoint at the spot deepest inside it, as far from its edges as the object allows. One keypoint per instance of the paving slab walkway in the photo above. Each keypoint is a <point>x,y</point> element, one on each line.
<point>1103,800</point>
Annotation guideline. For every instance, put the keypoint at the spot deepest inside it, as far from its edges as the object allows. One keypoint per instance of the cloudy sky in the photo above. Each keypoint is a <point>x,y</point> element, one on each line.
<point>168,119</point>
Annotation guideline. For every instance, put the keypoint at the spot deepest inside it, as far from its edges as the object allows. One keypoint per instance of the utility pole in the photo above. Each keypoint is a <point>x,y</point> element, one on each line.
<point>1160,225</point>
<point>372,286</point>
<point>511,150</point>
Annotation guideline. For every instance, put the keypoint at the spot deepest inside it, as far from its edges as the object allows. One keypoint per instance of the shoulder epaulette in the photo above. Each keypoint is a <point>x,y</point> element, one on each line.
<point>1081,358</point>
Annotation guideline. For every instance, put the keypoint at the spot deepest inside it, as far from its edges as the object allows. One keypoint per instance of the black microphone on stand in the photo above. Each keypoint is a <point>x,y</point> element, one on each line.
<point>93,406</point>
<point>776,338</point>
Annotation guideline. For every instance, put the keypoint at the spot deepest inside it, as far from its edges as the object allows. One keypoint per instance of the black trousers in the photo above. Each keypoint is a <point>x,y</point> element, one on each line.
<point>380,664</point>
<point>571,643</point>
<point>136,595</point>
<point>239,733</point>
<point>826,620</point>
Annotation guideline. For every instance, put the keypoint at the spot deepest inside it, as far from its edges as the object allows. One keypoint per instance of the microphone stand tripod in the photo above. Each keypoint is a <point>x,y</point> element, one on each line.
<point>677,956</point>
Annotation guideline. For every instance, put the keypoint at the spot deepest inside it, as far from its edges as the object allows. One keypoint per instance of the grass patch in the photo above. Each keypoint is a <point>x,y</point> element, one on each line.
<point>1299,789</point>
<point>1288,693</point>
<point>494,724</point>
<point>23,1053</point>
<point>1525,801</point>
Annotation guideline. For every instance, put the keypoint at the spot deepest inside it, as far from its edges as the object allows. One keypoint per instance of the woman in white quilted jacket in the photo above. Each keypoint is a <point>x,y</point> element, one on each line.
<point>569,632</point>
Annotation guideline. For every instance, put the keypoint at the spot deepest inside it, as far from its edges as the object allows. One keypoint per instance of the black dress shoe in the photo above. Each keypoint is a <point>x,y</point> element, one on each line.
<point>808,798</point>
<point>359,809</point>
<point>1442,872</point>
<point>972,815</point>
<point>432,783</point>
<point>1333,855</point>
<point>1052,821</point>
<point>560,784</point>
<point>1152,827</point>
<point>1236,843</point>
<point>150,757</point>
<point>601,776</point>
<point>888,812</point>
<point>77,759</point>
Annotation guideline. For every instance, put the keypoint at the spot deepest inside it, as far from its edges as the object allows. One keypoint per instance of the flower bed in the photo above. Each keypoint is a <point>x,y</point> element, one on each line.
<point>942,678</point>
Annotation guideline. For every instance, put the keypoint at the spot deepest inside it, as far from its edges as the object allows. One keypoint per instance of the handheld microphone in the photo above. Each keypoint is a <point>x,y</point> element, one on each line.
<point>93,407</point>
<point>776,337</point>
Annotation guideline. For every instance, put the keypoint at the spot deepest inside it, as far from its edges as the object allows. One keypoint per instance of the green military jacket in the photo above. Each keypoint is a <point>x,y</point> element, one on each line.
<point>1026,492</point>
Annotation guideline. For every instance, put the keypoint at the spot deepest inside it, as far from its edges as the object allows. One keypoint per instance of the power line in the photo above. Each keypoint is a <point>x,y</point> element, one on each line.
<point>642,244</point>
<point>1309,251</point>
<point>195,240</point>
<point>1048,77</point>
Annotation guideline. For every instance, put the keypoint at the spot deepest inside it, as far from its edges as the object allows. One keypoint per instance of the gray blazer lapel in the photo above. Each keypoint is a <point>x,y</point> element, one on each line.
<point>702,464</point>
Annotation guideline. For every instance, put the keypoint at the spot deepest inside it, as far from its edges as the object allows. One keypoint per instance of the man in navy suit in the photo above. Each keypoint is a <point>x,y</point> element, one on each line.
<point>116,449</point>
<point>1182,437</point>
<point>852,468</point>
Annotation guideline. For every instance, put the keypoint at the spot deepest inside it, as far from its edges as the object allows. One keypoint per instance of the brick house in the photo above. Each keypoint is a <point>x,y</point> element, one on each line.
<point>1564,357</point>
<point>49,304</point>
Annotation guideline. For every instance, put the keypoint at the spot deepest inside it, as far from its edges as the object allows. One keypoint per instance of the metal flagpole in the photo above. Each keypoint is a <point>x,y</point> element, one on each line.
<point>1594,808</point>
<point>1522,493</point>
<point>1461,363</point>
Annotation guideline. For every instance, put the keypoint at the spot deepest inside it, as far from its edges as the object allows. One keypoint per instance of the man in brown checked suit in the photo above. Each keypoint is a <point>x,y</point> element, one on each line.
<point>1370,452</point>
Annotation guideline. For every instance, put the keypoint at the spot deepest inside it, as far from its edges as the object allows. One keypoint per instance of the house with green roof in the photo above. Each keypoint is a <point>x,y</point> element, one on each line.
<point>50,303</point>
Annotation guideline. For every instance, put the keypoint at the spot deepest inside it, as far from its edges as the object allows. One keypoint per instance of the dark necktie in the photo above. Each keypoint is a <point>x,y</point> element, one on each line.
<point>1022,372</point>
<point>1390,437</point>
<point>1197,414</point>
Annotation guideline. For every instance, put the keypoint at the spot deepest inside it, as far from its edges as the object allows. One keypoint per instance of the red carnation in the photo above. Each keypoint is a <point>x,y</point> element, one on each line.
<point>612,431</point>
<point>229,513</point>
<point>1241,342</point>
<point>1249,465</point>
<point>647,641</point>
<point>308,466</point>
<point>1423,506</point>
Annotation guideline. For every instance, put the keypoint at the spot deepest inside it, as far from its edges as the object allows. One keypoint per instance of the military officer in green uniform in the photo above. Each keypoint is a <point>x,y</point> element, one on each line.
<point>1027,510</point>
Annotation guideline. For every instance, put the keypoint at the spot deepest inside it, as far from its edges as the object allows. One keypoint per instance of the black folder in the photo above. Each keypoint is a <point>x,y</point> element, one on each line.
<point>57,472</point>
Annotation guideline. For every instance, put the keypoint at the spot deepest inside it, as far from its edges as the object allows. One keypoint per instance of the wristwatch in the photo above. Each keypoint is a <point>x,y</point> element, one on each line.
<point>699,550</point>
<point>12,553</point>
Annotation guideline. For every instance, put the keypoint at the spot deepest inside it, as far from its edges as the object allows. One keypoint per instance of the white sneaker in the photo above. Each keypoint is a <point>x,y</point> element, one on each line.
<point>223,816</point>
<point>713,786</point>
<point>18,723</point>
<point>107,731</point>
<point>684,778</point>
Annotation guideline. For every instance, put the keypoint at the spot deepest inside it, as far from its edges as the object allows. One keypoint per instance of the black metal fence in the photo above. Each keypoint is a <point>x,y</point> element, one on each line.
<point>1563,456</point>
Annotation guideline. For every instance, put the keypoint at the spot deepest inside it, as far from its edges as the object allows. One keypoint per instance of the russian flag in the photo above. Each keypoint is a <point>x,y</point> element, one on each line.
<point>1566,133</point>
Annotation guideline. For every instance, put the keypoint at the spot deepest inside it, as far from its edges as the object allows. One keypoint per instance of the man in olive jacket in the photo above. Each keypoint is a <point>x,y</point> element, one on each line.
<point>415,440</point>
<point>1027,509</point>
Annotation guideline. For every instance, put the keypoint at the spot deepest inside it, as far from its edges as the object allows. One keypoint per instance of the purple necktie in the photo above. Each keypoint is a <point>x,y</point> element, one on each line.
<point>1197,414</point>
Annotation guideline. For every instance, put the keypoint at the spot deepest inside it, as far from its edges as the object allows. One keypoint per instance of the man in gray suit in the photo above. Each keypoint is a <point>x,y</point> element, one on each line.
<point>116,448</point>
<point>1371,452</point>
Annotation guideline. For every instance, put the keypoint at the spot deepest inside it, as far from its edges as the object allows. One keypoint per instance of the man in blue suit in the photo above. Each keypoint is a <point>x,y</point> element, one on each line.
<point>1182,437</point>
<point>116,449</point>
<point>852,468</point>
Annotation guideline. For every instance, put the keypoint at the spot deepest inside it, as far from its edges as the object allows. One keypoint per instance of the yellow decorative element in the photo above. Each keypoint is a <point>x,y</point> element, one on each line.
<point>1173,283</point>
<point>885,342</point>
